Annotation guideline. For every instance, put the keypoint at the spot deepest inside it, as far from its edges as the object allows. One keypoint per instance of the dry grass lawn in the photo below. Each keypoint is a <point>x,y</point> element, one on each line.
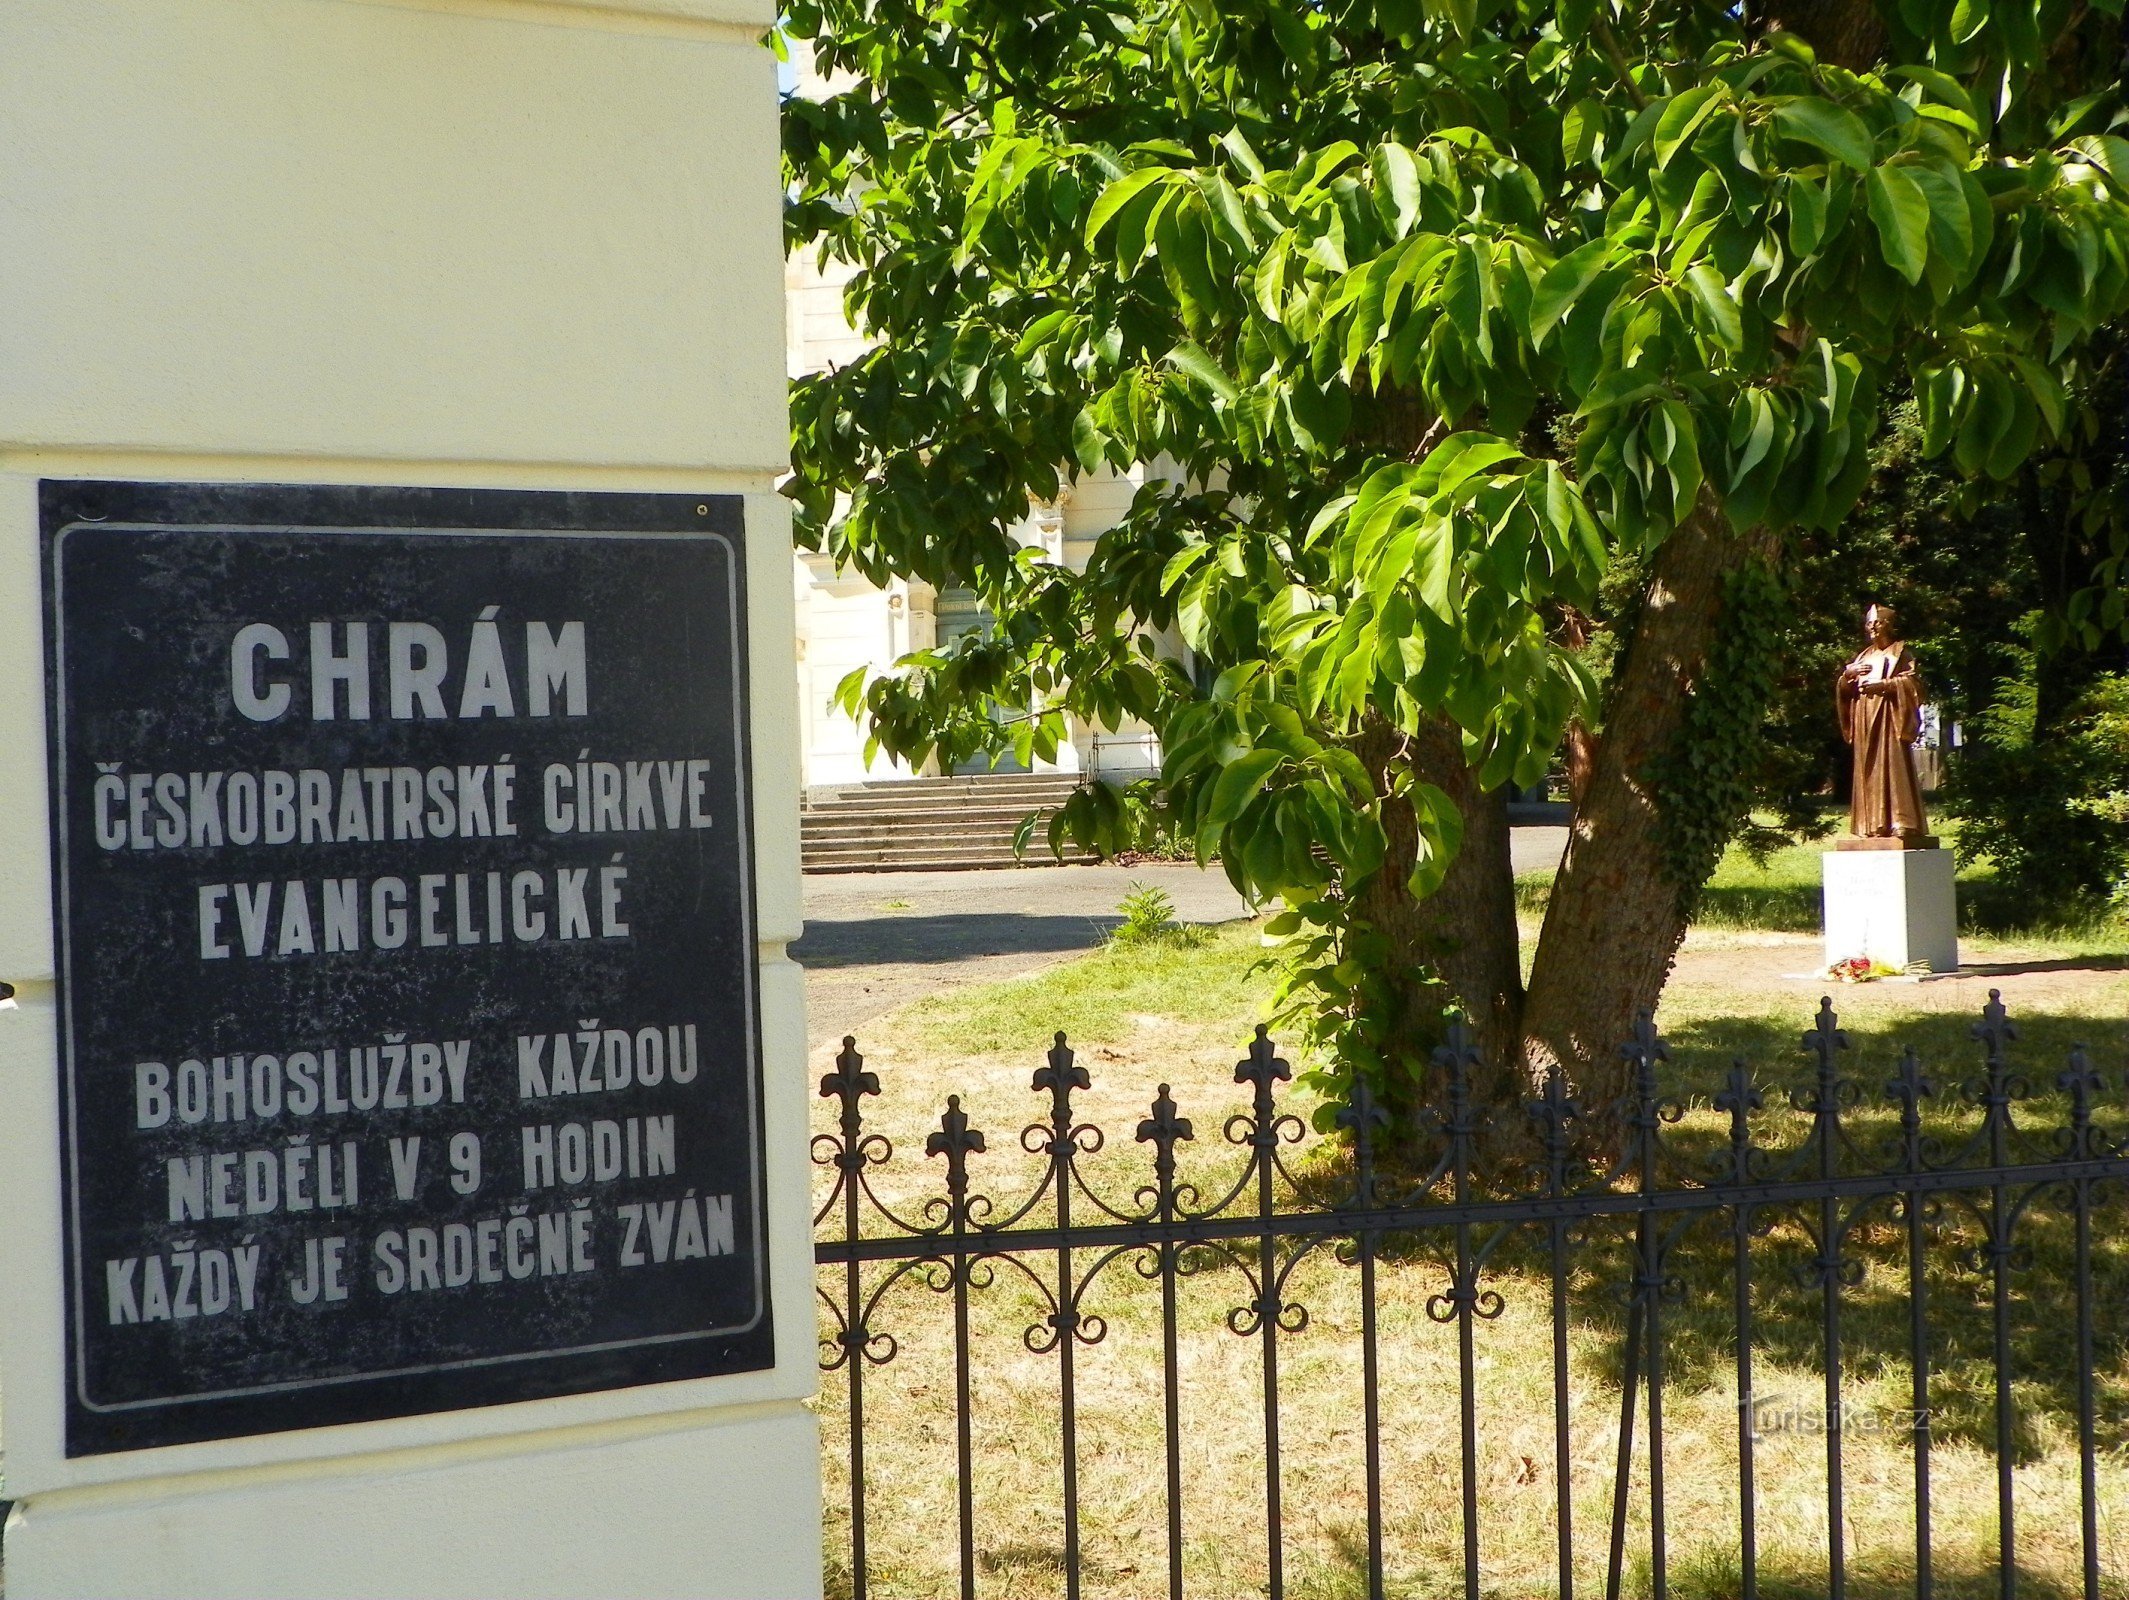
<point>1177,1016</point>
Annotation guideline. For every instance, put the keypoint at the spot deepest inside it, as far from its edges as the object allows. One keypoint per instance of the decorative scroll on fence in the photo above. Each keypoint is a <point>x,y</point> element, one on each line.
<point>1983,1169</point>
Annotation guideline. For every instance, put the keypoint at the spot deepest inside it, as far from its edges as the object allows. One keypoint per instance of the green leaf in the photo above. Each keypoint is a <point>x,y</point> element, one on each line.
<point>1192,360</point>
<point>1715,299</point>
<point>1227,206</point>
<point>1988,415</point>
<point>1089,444</point>
<point>1680,119</point>
<point>1563,284</point>
<point>1793,46</point>
<point>1238,784</point>
<point>1807,216</point>
<point>1833,129</point>
<point>1682,459</point>
<point>981,196</point>
<point>1579,131</point>
<point>1759,438</point>
<point>1180,563</point>
<point>1462,294</point>
<point>1441,830</point>
<point>2045,388</point>
<point>1463,456</point>
<point>1039,331</point>
<point>1951,228</point>
<point>2110,154</point>
<point>1938,391</point>
<point>1118,195</point>
<point>1434,557</point>
<point>1271,278</point>
<point>1941,84</point>
<point>1396,177</point>
<point>1328,518</point>
<point>2015,443</point>
<point>1138,224</point>
<point>1242,154</point>
<point>1901,212</point>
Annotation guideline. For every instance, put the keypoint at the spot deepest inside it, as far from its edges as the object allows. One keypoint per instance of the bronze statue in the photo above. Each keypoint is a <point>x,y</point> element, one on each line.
<point>1880,699</point>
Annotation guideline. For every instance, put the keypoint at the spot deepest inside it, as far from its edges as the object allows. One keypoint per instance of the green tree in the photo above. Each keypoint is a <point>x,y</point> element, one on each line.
<point>1445,314</point>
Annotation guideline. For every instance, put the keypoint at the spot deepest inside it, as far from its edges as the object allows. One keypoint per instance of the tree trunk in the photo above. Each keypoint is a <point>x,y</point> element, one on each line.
<point>1465,933</point>
<point>1469,925</point>
<point>1618,913</point>
<point>1844,33</point>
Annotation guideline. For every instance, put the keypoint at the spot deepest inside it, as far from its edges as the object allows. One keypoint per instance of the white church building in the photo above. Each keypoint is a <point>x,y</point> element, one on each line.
<point>845,622</point>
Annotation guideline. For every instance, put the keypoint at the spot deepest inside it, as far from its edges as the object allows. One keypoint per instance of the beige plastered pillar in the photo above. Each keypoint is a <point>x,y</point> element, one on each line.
<point>429,242</point>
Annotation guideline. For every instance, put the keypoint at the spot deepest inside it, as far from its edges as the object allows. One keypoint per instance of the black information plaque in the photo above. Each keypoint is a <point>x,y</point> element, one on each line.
<point>409,1040</point>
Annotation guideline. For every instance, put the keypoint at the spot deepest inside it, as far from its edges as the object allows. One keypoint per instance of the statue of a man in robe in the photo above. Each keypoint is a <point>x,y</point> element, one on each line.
<point>1880,700</point>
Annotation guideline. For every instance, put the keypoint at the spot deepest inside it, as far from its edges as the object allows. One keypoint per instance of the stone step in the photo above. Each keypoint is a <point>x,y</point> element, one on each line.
<point>932,839</point>
<point>879,850</point>
<point>929,804</point>
<point>1005,818</point>
<point>872,806</point>
<point>975,852</point>
<point>902,796</point>
<point>935,862</point>
<point>940,780</point>
<point>934,824</point>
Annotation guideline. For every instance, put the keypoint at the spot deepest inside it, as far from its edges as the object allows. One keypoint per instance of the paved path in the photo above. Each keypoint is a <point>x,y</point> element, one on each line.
<point>877,940</point>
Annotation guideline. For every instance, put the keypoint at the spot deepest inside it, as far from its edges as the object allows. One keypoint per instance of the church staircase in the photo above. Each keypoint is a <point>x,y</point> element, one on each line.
<point>929,824</point>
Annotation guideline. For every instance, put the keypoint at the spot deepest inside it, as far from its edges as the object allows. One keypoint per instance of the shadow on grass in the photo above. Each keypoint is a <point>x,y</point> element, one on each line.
<point>1789,1331</point>
<point>2015,969</point>
<point>870,941</point>
<point>1709,1571</point>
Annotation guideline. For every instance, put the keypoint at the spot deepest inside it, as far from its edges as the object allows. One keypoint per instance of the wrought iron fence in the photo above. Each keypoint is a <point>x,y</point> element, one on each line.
<point>1853,1160</point>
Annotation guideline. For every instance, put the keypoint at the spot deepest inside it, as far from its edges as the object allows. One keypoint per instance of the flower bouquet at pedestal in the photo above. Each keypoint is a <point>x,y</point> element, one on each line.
<point>1861,969</point>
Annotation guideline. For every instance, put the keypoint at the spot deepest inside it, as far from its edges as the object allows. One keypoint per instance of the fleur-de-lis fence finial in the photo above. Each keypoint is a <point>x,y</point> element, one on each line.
<point>1645,1110</point>
<point>1362,1117</point>
<point>1553,1111</point>
<point>1825,1040</point>
<point>2082,1083</point>
<point>851,1149</point>
<point>1457,1055</point>
<point>1999,1084</point>
<point>1262,1068</point>
<point>1828,1092</point>
<point>849,1083</point>
<point>1995,1030</point>
<point>1910,1086</point>
<point>1740,1097</point>
<point>1164,1130</point>
<point>956,1141</point>
<point>1060,1075</point>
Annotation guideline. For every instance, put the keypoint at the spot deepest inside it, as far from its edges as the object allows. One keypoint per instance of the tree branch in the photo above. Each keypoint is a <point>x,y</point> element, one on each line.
<point>1609,40</point>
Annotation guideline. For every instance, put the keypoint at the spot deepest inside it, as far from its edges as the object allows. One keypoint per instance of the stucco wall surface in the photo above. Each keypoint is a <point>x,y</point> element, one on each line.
<point>314,227</point>
<point>692,1509</point>
<point>490,243</point>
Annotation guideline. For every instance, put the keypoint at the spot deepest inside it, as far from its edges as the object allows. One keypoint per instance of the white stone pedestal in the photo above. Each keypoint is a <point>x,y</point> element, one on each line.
<point>1894,906</point>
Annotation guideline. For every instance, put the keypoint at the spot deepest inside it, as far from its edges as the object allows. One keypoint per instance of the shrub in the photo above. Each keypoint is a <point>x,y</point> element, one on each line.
<point>1149,918</point>
<point>2050,805</point>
